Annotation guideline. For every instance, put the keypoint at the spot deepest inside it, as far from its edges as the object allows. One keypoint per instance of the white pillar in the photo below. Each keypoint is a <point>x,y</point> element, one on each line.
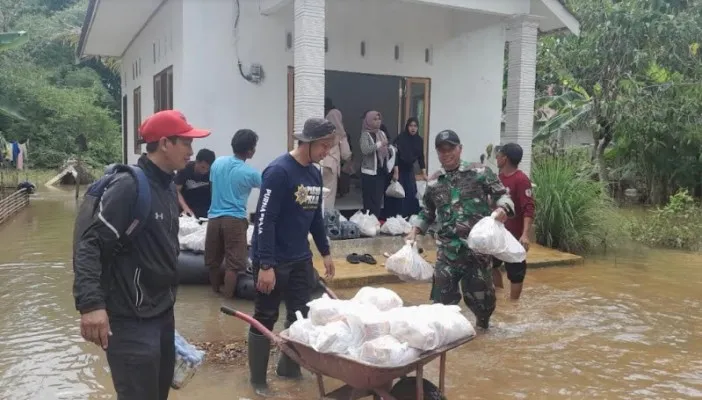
<point>522,36</point>
<point>309,61</point>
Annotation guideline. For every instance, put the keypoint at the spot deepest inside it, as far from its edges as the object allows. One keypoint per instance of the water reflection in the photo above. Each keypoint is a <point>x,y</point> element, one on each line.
<point>624,327</point>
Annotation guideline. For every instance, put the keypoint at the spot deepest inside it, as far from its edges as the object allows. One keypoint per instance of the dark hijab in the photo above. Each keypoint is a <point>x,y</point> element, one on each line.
<point>410,148</point>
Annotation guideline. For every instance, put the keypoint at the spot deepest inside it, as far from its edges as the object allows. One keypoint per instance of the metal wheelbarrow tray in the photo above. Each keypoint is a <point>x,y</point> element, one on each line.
<point>361,379</point>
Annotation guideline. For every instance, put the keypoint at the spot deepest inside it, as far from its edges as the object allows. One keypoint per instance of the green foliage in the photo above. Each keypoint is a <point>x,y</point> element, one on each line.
<point>626,77</point>
<point>678,225</point>
<point>573,212</point>
<point>58,99</point>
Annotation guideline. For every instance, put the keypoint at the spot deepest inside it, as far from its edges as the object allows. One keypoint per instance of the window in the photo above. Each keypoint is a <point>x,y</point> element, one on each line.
<point>163,90</point>
<point>137,120</point>
<point>125,129</point>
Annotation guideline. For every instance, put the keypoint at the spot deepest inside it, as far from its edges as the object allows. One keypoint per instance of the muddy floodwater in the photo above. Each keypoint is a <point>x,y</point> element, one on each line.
<point>624,327</point>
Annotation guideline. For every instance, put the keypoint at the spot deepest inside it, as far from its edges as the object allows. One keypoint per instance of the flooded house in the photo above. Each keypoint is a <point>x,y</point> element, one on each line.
<point>267,65</point>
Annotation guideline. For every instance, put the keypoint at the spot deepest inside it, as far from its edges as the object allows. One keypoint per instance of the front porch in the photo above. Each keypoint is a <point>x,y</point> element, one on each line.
<point>456,54</point>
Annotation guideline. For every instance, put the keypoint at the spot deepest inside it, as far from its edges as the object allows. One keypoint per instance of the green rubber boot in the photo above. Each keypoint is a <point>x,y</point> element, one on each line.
<point>259,351</point>
<point>287,368</point>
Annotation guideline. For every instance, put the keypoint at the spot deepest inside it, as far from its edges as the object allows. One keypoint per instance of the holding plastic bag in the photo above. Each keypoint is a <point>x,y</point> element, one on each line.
<point>409,265</point>
<point>395,190</point>
<point>489,236</point>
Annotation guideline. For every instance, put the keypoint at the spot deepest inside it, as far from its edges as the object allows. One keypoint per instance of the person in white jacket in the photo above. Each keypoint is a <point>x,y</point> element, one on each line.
<point>341,151</point>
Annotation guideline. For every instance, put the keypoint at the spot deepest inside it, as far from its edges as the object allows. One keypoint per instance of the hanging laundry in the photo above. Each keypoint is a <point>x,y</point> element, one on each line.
<point>23,150</point>
<point>20,160</point>
<point>8,152</point>
<point>15,152</point>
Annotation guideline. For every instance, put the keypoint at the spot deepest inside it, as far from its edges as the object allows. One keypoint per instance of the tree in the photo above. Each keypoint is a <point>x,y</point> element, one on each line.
<point>60,100</point>
<point>10,40</point>
<point>620,41</point>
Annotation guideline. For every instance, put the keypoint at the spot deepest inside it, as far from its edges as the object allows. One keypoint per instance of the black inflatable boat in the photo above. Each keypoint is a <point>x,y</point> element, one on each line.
<point>192,271</point>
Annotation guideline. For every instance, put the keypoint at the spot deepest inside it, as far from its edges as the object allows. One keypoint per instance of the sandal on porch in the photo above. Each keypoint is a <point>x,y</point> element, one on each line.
<point>353,258</point>
<point>368,259</point>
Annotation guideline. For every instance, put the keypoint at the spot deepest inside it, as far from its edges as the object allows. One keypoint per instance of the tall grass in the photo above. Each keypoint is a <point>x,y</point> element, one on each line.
<point>573,212</point>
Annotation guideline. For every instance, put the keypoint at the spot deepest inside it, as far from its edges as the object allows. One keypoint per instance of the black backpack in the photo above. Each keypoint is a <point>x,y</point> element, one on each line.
<point>91,204</point>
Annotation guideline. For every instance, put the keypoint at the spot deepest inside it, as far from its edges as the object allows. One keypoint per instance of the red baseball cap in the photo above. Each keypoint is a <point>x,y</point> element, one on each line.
<point>169,123</point>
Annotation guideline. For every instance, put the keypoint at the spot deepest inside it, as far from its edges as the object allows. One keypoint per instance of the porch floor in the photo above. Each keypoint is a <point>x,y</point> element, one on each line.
<point>358,275</point>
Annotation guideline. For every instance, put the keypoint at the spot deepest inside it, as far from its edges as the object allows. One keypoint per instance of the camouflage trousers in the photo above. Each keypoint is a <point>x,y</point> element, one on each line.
<point>474,274</point>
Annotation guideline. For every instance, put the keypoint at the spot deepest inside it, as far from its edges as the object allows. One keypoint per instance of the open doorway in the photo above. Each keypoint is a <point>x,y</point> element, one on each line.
<point>395,97</point>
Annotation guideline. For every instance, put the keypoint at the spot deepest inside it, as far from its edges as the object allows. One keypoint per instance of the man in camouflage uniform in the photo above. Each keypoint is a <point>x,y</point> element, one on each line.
<point>456,198</point>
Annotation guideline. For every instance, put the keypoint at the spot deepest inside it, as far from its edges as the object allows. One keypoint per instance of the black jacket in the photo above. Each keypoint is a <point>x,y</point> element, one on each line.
<point>141,280</point>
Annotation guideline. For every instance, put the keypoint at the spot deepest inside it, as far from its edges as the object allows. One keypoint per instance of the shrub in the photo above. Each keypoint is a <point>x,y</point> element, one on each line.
<point>573,212</point>
<point>678,225</point>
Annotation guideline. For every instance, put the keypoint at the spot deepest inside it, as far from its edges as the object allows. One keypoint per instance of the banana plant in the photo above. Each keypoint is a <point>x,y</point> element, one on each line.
<point>11,40</point>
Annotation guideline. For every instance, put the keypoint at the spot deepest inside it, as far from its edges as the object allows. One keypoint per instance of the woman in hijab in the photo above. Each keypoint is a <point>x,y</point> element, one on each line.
<point>375,153</point>
<point>338,153</point>
<point>410,150</point>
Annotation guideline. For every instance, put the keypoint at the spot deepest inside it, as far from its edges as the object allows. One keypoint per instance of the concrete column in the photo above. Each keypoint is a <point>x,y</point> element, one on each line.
<point>309,60</point>
<point>522,36</point>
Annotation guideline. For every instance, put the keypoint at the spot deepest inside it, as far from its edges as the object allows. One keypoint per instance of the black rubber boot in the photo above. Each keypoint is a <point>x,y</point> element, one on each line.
<point>483,323</point>
<point>287,368</point>
<point>259,352</point>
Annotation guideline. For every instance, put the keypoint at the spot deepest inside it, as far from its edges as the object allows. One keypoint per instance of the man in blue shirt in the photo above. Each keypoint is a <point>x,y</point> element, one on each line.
<point>232,180</point>
<point>289,209</point>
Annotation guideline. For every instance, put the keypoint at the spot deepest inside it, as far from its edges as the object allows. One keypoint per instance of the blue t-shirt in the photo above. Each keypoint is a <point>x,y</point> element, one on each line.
<point>289,208</point>
<point>231,180</point>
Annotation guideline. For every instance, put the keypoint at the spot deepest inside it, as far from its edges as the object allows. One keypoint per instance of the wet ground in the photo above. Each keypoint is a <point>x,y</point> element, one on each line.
<point>626,327</point>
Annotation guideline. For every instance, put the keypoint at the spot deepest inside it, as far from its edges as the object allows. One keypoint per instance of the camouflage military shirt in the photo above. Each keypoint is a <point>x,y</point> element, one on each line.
<point>462,196</point>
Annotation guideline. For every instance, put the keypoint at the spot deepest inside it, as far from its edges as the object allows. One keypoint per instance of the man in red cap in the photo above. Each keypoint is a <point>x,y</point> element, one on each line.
<point>125,292</point>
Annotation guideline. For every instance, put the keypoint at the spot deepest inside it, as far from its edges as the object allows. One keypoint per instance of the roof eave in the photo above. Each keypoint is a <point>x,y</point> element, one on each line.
<point>85,29</point>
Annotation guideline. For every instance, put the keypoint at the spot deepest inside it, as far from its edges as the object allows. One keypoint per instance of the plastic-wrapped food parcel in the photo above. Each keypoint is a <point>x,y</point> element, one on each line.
<point>188,360</point>
<point>376,329</point>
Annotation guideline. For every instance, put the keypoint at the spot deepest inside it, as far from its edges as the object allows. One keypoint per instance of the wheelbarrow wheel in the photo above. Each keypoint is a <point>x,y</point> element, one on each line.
<point>406,389</point>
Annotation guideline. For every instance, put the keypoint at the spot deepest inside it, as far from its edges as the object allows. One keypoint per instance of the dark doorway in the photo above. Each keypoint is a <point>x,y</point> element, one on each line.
<point>354,93</point>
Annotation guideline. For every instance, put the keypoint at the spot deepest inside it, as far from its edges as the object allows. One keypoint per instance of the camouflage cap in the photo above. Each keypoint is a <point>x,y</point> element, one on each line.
<point>315,129</point>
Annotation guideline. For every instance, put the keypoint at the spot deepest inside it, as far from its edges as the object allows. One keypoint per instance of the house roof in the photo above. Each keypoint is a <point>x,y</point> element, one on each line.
<point>144,9</point>
<point>87,21</point>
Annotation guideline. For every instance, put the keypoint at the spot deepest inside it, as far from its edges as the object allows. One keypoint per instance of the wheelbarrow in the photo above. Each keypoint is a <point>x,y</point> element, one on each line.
<point>360,379</point>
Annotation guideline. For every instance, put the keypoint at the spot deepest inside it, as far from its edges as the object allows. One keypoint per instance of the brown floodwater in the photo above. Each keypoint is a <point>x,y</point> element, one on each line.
<point>624,327</point>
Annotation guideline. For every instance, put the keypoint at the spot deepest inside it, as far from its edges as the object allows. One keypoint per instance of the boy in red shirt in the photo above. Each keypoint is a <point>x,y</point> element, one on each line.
<point>517,182</point>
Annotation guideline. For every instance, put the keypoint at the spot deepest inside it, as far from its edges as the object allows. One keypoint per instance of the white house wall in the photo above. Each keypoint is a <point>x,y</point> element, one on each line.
<point>164,33</point>
<point>466,67</point>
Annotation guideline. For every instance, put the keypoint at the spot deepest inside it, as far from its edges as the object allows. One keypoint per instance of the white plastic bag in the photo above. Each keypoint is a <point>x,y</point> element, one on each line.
<point>195,241</point>
<point>188,225</point>
<point>396,226</point>
<point>367,223</point>
<point>303,330</point>
<point>421,188</point>
<point>409,265</point>
<point>386,351</point>
<point>383,299</point>
<point>249,234</point>
<point>336,337</point>
<point>325,310</point>
<point>395,190</point>
<point>429,327</point>
<point>489,236</point>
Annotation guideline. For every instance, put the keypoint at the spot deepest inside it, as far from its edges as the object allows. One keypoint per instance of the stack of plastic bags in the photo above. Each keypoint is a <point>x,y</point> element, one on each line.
<point>396,226</point>
<point>367,223</point>
<point>188,360</point>
<point>375,328</point>
<point>192,234</point>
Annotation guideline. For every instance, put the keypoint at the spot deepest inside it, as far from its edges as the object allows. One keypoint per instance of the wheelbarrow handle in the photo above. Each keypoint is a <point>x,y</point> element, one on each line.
<point>251,321</point>
<point>329,292</point>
